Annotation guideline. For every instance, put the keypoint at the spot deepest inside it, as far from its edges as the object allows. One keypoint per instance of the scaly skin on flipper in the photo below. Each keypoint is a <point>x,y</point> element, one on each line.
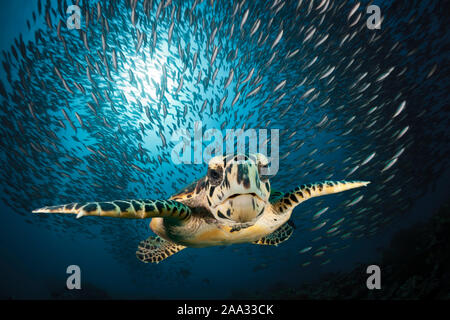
<point>156,249</point>
<point>280,235</point>
<point>130,209</point>
<point>304,192</point>
<point>275,195</point>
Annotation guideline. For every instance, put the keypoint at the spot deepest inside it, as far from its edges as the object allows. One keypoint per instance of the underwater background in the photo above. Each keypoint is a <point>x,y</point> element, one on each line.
<point>88,115</point>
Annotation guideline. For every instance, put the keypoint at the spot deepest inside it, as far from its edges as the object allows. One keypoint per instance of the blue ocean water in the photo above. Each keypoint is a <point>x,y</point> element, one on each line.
<point>36,250</point>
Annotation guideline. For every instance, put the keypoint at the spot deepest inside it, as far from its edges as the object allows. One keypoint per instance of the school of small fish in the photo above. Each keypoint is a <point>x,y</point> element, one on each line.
<point>89,114</point>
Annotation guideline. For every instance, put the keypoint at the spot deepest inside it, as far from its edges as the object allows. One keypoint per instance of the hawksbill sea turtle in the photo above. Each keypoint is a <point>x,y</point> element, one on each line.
<point>232,204</point>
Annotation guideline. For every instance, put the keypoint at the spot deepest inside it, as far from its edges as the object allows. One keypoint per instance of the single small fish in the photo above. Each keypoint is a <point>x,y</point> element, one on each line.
<point>352,12</point>
<point>280,86</point>
<point>385,75</point>
<point>355,201</point>
<point>254,91</point>
<point>338,222</point>
<point>255,27</point>
<point>304,250</point>
<point>399,109</point>
<point>277,39</point>
<point>230,78</point>
<point>368,159</point>
<point>319,254</point>
<point>319,213</point>
<point>327,73</point>
<point>319,226</point>
<point>244,18</point>
<point>389,164</point>
<point>402,133</point>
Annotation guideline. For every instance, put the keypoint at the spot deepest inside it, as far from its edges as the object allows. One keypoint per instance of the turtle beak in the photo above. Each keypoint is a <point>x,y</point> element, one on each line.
<point>234,195</point>
<point>241,208</point>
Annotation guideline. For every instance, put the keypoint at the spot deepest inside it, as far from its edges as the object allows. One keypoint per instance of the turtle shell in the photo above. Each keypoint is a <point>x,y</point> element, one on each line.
<point>191,191</point>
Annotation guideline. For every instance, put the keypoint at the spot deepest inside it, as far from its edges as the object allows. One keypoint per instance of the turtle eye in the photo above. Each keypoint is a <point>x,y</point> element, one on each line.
<point>263,171</point>
<point>215,175</point>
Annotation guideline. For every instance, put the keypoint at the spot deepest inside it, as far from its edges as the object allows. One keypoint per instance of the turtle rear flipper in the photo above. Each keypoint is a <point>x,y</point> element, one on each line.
<point>130,209</point>
<point>156,249</point>
<point>278,236</point>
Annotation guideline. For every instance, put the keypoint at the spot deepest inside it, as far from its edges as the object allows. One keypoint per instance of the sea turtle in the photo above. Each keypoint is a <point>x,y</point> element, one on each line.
<point>232,204</point>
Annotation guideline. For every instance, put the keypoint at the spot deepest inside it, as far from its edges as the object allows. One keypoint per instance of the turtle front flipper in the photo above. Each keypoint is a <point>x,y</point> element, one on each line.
<point>278,236</point>
<point>129,209</point>
<point>275,195</point>
<point>293,198</point>
<point>156,249</point>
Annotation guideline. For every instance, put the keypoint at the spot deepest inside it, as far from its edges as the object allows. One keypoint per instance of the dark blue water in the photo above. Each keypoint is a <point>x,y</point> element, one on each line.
<point>36,250</point>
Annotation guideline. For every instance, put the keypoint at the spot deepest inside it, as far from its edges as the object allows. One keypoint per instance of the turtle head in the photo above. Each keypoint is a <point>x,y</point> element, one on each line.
<point>237,189</point>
